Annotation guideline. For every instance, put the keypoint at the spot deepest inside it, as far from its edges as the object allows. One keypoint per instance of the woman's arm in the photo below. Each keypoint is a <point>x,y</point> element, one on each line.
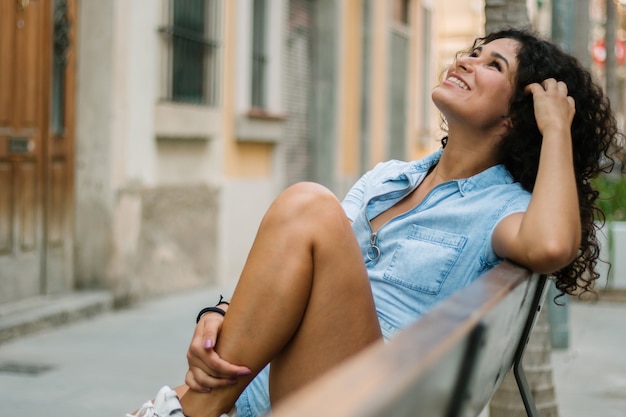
<point>547,236</point>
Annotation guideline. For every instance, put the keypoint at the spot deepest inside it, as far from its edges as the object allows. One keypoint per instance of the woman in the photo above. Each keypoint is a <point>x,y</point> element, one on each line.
<point>522,117</point>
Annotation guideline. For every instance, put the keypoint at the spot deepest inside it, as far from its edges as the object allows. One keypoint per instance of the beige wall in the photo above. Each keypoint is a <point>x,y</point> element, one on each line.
<point>378,113</point>
<point>349,119</point>
<point>423,68</point>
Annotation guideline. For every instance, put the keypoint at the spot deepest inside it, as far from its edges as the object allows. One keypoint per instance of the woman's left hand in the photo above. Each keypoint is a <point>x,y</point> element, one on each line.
<point>554,108</point>
<point>207,370</point>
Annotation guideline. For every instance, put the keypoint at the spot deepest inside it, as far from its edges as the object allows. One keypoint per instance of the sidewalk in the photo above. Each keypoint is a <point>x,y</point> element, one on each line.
<point>109,364</point>
<point>590,376</point>
<point>104,366</point>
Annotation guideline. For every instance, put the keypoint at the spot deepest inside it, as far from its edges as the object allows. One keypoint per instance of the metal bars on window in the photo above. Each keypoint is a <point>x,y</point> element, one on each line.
<point>259,54</point>
<point>193,51</point>
<point>60,44</point>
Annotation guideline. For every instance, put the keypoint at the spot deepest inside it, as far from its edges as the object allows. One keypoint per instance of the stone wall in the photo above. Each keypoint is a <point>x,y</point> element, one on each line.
<point>164,240</point>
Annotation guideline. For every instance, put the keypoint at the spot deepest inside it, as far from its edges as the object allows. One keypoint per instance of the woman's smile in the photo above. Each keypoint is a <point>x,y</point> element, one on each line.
<point>458,81</point>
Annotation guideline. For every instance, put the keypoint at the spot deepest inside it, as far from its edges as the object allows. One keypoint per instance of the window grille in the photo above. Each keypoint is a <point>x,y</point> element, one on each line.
<point>60,43</point>
<point>193,51</point>
<point>259,54</point>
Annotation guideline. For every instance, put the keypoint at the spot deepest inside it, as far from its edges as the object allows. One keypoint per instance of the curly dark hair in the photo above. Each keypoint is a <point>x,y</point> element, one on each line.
<point>594,137</point>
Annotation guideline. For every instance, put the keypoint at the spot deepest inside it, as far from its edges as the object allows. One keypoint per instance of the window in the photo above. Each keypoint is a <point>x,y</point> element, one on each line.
<point>61,42</point>
<point>398,79</point>
<point>193,48</point>
<point>258,76</point>
<point>259,54</point>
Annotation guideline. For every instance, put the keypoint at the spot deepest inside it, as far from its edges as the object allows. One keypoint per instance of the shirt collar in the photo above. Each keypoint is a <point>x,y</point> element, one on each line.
<point>495,175</point>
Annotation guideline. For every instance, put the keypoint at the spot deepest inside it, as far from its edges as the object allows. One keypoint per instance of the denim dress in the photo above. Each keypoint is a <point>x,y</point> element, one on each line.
<point>422,256</point>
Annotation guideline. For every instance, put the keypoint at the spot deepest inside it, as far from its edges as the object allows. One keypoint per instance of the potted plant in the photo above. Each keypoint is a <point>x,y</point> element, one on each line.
<point>612,201</point>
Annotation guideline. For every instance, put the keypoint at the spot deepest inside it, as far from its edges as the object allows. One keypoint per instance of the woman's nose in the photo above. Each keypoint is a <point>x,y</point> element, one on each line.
<point>465,63</point>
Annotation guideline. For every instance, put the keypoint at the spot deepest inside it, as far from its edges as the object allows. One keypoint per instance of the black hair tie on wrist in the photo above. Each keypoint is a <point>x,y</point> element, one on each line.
<point>222,301</point>
<point>209,310</point>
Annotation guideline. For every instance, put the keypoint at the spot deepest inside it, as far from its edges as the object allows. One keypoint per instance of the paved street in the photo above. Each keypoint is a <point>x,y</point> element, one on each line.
<point>590,376</point>
<point>104,366</point>
<point>109,364</point>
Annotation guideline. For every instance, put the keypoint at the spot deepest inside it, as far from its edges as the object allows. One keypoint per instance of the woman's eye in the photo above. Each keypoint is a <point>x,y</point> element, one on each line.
<point>496,65</point>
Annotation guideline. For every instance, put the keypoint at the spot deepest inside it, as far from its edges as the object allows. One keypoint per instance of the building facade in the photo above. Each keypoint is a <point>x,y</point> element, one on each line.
<point>143,140</point>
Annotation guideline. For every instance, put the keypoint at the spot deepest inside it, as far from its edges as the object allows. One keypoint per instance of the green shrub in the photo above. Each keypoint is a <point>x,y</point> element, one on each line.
<point>612,199</point>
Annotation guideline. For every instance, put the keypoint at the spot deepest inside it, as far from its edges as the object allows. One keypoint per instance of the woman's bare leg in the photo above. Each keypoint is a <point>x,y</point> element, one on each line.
<point>303,300</point>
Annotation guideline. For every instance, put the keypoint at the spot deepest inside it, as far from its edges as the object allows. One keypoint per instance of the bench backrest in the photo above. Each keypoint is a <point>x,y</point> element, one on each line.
<point>449,363</point>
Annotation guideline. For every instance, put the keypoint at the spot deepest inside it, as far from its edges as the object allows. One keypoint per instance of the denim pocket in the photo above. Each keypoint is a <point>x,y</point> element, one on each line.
<point>423,261</point>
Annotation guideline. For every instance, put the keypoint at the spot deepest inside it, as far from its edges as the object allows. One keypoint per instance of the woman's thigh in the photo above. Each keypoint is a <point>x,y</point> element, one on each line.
<point>340,317</point>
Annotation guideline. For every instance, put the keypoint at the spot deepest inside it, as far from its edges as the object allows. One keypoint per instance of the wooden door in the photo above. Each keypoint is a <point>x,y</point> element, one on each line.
<point>35,178</point>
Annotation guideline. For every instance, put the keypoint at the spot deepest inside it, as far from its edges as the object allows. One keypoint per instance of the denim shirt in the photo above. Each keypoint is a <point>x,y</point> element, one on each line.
<point>423,256</point>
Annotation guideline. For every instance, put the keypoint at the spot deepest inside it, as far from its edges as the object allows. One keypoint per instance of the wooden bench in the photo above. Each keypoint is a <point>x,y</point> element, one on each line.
<point>447,364</point>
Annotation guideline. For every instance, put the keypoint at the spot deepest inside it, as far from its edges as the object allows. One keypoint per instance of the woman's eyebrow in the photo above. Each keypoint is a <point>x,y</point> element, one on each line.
<point>500,56</point>
<point>495,55</point>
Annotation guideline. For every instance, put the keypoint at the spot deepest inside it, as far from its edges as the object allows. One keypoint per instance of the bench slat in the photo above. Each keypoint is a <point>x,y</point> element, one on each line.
<point>416,372</point>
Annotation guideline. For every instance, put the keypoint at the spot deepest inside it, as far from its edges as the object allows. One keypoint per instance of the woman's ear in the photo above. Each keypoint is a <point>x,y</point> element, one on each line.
<point>508,122</point>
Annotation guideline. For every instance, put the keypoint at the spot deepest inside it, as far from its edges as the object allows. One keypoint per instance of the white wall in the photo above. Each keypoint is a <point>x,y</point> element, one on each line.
<point>138,67</point>
<point>94,126</point>
<point>247,202</point>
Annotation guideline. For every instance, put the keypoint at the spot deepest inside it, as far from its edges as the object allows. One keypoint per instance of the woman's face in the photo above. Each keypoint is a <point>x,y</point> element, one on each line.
<point>478,87</point>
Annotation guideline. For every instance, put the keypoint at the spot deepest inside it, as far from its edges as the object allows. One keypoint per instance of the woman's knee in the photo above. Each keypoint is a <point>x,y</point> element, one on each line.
<point>305,198</point>
<point>307,192</point>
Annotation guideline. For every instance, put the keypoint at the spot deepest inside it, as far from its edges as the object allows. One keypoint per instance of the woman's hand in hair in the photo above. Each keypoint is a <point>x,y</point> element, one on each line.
<point>554,108</point>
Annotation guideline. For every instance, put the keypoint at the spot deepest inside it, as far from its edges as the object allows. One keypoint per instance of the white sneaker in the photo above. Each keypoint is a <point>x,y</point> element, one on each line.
<point>166,404</point>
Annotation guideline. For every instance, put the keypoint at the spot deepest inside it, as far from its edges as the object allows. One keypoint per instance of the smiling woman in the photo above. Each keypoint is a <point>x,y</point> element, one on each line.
<point>475,95</point>
<point>526,129</point>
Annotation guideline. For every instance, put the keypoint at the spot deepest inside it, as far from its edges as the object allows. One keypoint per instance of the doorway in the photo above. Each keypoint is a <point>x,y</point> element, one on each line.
<point>36,147</point>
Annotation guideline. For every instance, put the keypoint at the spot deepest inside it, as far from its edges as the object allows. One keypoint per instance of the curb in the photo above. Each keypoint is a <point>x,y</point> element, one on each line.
<point>44,312</point>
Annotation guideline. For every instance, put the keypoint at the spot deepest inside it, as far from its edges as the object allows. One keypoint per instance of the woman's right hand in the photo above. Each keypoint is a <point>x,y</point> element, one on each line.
<point>207,370</point>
